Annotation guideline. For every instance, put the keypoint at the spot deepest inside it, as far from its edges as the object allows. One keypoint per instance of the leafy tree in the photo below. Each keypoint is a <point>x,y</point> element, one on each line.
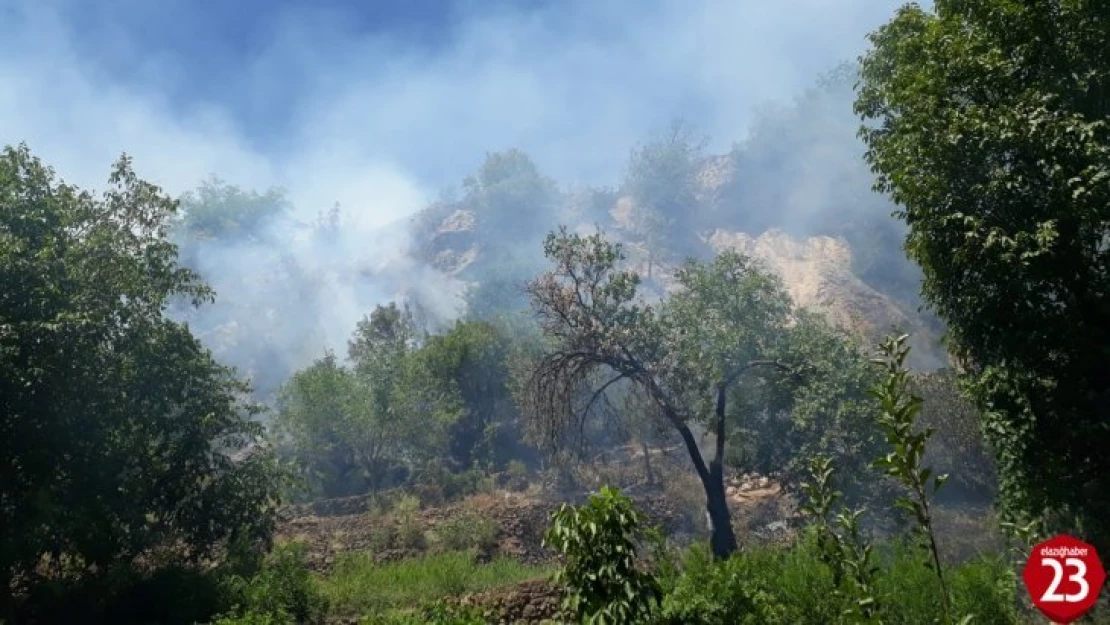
<point>321,420</point>
<point>511,197</point>
<point>358,428</point>
<point>987,122</point>
<point>217,210</point>
<point>684,354</point>
<point>826,412</point>
<point>653,226</point>
<point>119,433</point>
<point>470,359</point>
<point>662,180</point>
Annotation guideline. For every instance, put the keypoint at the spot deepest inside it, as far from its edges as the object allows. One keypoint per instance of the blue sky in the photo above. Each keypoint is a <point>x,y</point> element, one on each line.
<point>379,104</point>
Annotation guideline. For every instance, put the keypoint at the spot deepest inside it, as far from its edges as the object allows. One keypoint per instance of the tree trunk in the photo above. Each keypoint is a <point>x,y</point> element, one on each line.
<point>649,475</point>
<point>722,539</point>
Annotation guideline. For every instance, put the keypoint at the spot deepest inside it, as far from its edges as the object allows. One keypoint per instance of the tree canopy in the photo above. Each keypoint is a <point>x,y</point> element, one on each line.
<point>988,122</point>
<point>119,434</point>
<point>685,354</point>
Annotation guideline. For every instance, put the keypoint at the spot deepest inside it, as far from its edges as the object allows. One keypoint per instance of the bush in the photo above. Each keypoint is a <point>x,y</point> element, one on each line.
<point>468,532</point>
<point>282,589</point>
<point>600,541</point>
<point>772,585</point>
<point>516,475</point>
<point>171,595</point>
<point>760,585</point>
<point>436,484</point>
<point>256,618</point>
<point>410,532</point>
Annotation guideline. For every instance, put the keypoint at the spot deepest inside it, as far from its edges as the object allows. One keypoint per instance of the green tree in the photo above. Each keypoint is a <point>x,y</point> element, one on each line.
<point>360,428</point>
<point>662,180</point>
<point>471,360</point>
<point>685,354</point>
<point>119,433</point>
<point>987,122</point>
<point>217,210</point>
<point>826,412</point>
<point>321,422</point>
<point>511,198</point>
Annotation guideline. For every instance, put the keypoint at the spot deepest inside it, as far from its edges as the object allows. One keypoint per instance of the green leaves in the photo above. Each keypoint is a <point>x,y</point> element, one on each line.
<point>600,542</point>
<point>904,462</point>
<point>349,427</point>
<point>988,123</point>
<point>121,433</point>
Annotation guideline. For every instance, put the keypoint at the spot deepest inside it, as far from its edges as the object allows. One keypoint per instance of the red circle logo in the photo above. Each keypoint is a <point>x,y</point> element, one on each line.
<point>1064,576</point>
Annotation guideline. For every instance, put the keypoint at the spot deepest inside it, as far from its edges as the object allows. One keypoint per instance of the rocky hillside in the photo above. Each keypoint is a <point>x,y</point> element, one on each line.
<point>816,270</point>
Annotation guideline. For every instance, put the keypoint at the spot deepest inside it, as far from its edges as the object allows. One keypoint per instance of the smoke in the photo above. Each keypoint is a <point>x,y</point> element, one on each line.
<point>325,101</point>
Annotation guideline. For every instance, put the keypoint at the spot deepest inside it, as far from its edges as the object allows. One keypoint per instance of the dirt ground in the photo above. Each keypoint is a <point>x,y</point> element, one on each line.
<point>334,527</point>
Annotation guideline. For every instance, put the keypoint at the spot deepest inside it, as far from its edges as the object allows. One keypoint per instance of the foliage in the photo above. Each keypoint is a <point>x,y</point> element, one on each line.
<point>987,123</point>
<point>600,542</point>
<point>359,428</point>
<point>823,412</point>
<point>845,552</point>
<point>509,193</point>
<point>771,585</point>
<point>282,591</point>
<point>467,532</point>
<point>170,595</point>
<point>471,360</point>
<point>729,324</point>
<point>905,461</point>
<point>661,179</point>
<point>217,210</point>
<point>255,618</point>
<point>757,586</point>
<point>958,446</point>
<point>359,585</point>
<point>120,434</point>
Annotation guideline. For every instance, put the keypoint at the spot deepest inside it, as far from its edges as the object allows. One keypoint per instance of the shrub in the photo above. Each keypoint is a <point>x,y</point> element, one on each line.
<point>256,618</point>
<point>764,585</point>
<point>600,541</point>
<point>410,532</point>
<point>171,595</point>
<point>516,475</point>
<point>283,588</point>
<point>468,532</point>
<point>794,586</point>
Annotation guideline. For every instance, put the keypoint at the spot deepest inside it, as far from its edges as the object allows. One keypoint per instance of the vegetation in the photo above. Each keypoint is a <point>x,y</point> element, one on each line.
<point>987,124</point>
<point>600,542</point>
<point>122,438</point>
<point>415,582</point>
<point>438,465</point>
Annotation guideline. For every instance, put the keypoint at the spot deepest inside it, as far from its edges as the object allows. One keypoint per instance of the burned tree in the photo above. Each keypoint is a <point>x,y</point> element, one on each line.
<point>684,354</point>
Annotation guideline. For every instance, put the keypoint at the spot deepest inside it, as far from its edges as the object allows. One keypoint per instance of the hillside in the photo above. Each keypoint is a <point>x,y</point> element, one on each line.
<point>817,270</point>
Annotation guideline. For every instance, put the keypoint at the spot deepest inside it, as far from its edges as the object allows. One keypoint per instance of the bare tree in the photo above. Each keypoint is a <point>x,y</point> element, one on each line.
<point>684,354</point>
